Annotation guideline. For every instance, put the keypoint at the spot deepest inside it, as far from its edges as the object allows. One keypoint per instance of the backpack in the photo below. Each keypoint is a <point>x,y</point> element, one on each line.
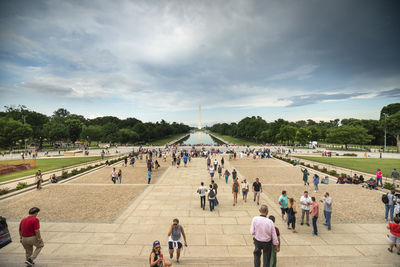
<point>385,198</point>
<point>5,237</point>
<point>211,194</point>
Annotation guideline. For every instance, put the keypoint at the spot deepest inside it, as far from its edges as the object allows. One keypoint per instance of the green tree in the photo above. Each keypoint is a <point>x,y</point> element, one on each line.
<point>287,133</point>
<point>128,136</point>
<point>303,136</point>
<point>55,130</point>
<point>74,129</point>
<point>348,135</point>
<point>393,127</point>
<point>12,131</point>
<point>91,133</point>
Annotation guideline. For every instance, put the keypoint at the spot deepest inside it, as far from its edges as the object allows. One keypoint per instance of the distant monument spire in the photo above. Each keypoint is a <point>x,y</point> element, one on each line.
<point>199,117</point>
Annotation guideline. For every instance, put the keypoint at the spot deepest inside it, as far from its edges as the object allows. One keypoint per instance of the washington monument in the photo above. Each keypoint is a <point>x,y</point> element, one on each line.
<point>199,117</point>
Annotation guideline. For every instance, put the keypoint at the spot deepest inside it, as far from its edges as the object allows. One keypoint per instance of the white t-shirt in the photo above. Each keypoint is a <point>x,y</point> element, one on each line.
<point>245,185</point>
<point>202,190</point>
<point>211,170</point>
<point>306,200</point>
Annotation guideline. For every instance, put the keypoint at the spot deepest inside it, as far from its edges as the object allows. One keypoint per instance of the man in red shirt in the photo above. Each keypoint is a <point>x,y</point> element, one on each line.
<point>30,235</point>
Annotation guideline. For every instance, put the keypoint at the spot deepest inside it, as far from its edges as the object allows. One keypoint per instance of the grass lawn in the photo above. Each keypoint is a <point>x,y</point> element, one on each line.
<point>364,164</point>
<point>235,140</point>
<point>48,165</point>
<point>162,142</point>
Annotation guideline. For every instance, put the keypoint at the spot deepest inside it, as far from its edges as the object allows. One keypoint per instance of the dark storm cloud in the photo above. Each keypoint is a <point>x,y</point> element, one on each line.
<point>178,54</point>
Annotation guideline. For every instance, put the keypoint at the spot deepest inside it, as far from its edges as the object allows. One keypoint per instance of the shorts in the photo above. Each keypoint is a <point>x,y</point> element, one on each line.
<point>394,239</point>
<point>212,174</point>
<point>245,192</point>
<point>171,244</point>
<point>257,193</point>
<point>284,210</point>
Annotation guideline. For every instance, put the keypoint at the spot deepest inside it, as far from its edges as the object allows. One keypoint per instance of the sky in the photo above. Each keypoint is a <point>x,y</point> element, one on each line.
<point>153,60</point>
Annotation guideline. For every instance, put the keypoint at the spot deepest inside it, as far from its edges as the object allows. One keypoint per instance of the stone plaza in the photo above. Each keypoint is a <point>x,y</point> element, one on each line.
<point>89,221</point>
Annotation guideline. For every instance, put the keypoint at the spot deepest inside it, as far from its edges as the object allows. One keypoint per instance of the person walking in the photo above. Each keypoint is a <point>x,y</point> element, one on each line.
<point>215,164</point>
<point>394,235</point>
<point>314,215</point>
<point>227,173</point>
<point>292,215</point>
<point>175,233</point>
<point>119,177</point>
<point>219,171</point>
<point>234,174</point>
<point>327,204</point>
<point>389,206</point>
<point>114,176</point>
<point>395,175</point>
<point>212,172</point>
<point>222,161</point>
<point>215,187</point>
<point>379,177</point>
<point>305,176</point>
<point>148,177</point>
<point>235,191</point>
<point>39,180</point>
<point>157,258</point>
<point>305,201</point>
<point>208,163</point>
<point>316,182</point>
<point>202,190</point>
<point>257,190</point>
<point>211,197</point>
<point>126,161</point>
<point>185,160</point>
<point>283,202</point>
<point>245,189</point>
<point>264,233</point>
<point>275,249</point>
<point>29,232</point>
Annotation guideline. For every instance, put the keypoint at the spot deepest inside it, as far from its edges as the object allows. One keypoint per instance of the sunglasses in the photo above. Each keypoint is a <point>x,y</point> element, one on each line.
<point>157,247</point>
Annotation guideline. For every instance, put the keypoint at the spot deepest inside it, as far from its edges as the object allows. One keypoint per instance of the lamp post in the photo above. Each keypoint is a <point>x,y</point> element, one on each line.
<point>384,146</point>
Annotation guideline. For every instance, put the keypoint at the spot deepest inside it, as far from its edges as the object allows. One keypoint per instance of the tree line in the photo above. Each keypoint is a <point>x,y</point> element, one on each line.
<point>345,131</point>
<point>18,124</point>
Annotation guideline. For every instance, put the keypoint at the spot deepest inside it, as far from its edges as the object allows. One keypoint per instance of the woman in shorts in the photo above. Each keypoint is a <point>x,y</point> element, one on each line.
<point>235,191</point>
<point>226,174</point>
<point>175,234</point>
<point>394,235</point>
<point>245,189</point>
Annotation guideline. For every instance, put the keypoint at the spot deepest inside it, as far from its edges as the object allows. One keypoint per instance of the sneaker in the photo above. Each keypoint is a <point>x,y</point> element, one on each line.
<point>301,223</point>
<point>177,261</point>
<point>170,256</point>
<point>325,224</point>
<point>29,262</point>
<point>308,224</point>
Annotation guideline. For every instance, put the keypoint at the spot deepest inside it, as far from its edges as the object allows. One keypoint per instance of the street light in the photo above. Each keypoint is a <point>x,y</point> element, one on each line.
<point>384,146</point>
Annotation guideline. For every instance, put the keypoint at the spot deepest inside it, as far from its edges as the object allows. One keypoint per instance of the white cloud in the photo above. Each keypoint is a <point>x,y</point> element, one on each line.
<point>300,73</point>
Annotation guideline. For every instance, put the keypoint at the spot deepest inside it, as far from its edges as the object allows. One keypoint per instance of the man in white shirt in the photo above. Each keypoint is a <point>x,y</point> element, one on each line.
<point>264,233</point>
<point>202,190</point>
<point>305,208</point>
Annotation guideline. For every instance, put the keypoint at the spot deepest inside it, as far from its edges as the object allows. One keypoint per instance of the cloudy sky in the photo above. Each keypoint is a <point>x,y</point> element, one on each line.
<point>161,59</point>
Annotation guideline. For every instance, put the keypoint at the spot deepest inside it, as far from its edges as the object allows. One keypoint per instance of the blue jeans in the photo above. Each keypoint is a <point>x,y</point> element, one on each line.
<point>314,225</point>
<point>211,201</point>
<point>216,202</point>
<point>328,215</point>
<point>387,209</point>
<point>379,180</point>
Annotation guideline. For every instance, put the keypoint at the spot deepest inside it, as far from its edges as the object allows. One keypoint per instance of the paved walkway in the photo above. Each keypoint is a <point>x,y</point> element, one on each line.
<point>215,238</point>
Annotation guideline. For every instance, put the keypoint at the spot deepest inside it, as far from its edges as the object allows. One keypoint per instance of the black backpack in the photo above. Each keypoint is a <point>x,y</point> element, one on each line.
<point>385,198</point>
<point>5,237</point>
<point>211,194</point>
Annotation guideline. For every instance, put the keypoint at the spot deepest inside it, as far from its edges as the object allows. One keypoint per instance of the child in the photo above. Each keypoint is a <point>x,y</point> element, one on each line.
<point>275,249</point>
<point>292,215</point>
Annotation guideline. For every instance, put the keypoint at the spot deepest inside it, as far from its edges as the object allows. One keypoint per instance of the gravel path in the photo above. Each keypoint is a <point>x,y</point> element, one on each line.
<point>352,203</point>
<point>72,202</point>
